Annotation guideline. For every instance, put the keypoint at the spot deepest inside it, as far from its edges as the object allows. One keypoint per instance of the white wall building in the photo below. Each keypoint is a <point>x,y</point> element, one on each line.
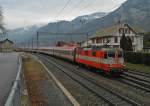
<point>113,35</point>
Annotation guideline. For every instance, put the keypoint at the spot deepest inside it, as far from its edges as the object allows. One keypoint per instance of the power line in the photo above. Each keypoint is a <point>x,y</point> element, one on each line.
<point>90,3</point>
<point>114,7</point>
<point>75,6</point>
<point>66,4</point>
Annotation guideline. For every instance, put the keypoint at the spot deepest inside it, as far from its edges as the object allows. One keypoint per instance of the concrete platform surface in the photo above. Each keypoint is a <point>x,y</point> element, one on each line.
<point>8,73</point>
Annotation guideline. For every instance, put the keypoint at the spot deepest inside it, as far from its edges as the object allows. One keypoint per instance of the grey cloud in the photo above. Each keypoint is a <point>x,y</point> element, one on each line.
<point>19,13</point>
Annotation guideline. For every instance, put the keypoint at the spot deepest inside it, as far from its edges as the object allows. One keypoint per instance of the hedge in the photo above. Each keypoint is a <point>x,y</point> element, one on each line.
<point>137,58</point>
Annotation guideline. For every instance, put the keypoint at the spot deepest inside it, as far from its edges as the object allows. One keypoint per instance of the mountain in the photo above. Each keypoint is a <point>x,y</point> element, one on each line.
<point>77,22</point>
<point>23,34</point>
<point>66,26</point>
<point>29,32</point>
<point>134,12</point>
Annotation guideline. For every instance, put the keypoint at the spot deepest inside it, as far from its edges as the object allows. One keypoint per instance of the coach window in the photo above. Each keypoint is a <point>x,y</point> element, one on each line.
<point>116,39</point>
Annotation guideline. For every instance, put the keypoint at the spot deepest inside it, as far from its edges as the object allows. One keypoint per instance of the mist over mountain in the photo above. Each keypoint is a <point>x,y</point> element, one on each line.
<point>23,34</point>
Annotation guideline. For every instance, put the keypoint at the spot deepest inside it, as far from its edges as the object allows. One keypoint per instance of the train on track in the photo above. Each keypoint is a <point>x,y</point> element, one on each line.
<point>107,60</point>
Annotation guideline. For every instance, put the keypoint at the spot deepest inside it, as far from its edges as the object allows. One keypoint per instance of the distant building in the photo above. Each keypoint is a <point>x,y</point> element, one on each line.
<point>62,43</point>
<point>112,35</point>
<point>6,45</point>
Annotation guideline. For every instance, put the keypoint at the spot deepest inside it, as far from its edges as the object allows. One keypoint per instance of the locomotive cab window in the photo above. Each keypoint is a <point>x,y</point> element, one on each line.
<point>111,54</point>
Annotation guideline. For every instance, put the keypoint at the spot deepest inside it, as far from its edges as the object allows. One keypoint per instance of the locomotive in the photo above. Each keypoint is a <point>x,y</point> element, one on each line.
<point>107,60</point>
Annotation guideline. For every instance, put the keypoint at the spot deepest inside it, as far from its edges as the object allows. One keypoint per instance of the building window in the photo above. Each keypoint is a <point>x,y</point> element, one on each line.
<point>120,31</point>
<point>132,39</point>
<point>103,40</point>
<point>129,31</point>
<point>99,40</point>
<point>126,30</point>
<point>93,40</point>
<point>116,39</point>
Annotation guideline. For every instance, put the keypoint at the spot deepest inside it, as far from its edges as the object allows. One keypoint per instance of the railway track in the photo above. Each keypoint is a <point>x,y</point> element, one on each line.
<point>139,81</point>
<point>137,84</point>
<point>129,71</point>
<point>110,97</point>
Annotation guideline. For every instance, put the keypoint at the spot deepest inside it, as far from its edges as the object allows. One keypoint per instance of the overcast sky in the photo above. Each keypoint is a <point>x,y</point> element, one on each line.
<point>21,13</point>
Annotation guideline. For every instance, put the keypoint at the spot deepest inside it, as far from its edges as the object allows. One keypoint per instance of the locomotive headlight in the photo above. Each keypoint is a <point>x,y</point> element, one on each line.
<point>110,65</point>
<point>124,65</point>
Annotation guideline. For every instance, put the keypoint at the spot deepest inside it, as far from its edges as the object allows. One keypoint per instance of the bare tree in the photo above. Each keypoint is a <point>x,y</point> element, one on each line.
<point>1,21</point>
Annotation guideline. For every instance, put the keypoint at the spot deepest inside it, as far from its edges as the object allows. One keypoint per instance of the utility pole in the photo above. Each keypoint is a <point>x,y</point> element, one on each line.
<point>57,31</point>
<point>32,42</point>
<point>72,32</point>
<point>37,39</point>
<point>87,37</point>
<point>29,44</point>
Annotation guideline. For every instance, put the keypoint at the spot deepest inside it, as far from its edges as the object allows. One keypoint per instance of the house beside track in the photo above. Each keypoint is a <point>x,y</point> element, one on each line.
<point>6,45</point>
<point>111,36</point>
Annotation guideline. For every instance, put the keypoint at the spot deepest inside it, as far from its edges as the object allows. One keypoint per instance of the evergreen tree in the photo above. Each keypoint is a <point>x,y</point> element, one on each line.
<point>130,48</point>
<point>126,43</point>
<point>123,41</point>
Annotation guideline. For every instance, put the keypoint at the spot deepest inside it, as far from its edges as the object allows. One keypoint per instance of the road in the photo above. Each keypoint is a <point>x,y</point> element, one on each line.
<point>8,72</point>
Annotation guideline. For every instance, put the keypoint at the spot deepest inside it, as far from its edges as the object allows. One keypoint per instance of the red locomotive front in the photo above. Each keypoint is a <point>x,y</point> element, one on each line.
<point>108,60</point>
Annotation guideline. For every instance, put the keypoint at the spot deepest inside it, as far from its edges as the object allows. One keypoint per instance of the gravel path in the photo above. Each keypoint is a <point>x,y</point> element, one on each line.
<point>8,72</point>
<point>41,88</point>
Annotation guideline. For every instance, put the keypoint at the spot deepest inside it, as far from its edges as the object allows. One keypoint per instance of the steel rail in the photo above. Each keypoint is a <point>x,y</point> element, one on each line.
<point>138,73</point>
<point>135,77</point>
<point>137,81</point>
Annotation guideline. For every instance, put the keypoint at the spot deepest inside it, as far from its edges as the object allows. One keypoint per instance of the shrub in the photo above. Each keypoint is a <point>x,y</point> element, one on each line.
<point>137,58</point>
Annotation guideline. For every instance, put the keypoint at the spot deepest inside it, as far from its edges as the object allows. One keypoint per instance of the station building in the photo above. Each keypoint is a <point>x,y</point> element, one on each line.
<point>6,46</point>
<point>111,36</point>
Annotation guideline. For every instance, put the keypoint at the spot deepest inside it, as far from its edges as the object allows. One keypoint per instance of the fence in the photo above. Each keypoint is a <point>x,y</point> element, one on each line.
<point>14,98</point>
